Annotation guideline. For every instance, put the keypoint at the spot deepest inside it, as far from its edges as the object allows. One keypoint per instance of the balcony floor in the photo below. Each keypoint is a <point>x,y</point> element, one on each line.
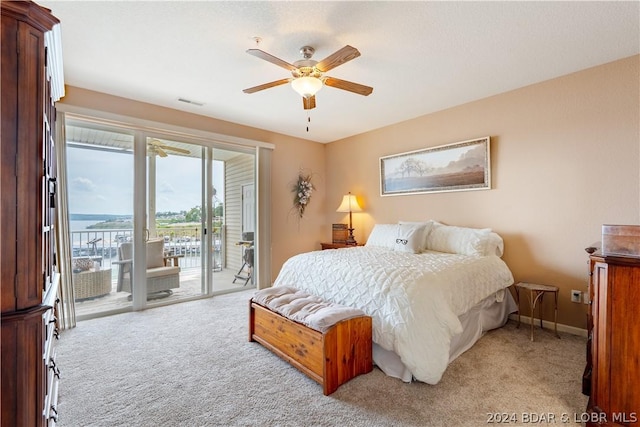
<point>190,287</point>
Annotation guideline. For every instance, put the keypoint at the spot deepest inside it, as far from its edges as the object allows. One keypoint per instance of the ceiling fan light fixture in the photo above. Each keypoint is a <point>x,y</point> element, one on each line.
<point>306,86</point>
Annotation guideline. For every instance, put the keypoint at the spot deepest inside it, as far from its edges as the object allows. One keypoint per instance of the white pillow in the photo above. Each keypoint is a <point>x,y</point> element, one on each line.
<point>383,235</point>
<point>410,238</point>
<point>458,240</point>
<point>427,225</point>
<point>495,245</point>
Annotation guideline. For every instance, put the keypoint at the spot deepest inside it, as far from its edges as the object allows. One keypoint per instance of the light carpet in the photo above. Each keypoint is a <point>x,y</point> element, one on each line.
<point>191,364</point>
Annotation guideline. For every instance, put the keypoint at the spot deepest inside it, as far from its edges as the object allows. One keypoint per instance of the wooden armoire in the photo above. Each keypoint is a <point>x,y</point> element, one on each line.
<point>28,272</point>
<point>613,352</point>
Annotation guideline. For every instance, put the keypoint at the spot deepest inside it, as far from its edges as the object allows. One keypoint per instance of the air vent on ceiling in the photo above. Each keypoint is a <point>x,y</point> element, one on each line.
<point>188,101</point>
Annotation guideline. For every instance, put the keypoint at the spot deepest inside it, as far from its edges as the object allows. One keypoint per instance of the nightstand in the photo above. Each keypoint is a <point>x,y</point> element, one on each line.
<point>337,245</point>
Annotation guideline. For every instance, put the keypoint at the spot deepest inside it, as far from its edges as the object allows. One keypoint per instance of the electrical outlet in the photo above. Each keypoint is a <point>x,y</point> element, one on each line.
<point>585,297</point>
<point>576,296</point>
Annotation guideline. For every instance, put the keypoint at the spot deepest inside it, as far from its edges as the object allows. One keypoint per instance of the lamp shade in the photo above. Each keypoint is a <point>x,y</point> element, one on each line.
<point>306,86</point>
<point>349,204</point>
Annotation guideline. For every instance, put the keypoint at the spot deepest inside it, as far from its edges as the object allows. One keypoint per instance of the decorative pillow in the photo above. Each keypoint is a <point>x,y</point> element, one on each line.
<point>427,225</point>
<point>383,235</point>
<point>410,238</point>
<point>82,264</point>
<point>458,240</point>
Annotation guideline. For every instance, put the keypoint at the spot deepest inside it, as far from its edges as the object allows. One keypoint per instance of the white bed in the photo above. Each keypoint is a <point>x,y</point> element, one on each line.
<point>428,307</point>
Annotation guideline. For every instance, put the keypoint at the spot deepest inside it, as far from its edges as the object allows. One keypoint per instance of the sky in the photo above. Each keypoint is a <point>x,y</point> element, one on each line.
<point>102,183</point>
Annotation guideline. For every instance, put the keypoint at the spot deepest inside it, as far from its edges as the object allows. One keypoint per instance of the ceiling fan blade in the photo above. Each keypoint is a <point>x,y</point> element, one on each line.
<point>343,55</point>
<point>266,86</point>
<point>176,149</point>
<point>155,145</point>
<point>270,58</point>
<point>349,86</point>
<point>309,103</point>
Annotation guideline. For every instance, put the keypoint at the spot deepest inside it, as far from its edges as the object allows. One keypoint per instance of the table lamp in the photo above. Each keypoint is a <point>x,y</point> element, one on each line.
<point>349,204</point>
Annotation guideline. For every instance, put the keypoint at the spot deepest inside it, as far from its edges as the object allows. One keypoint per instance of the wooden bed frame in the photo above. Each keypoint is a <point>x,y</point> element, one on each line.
<point>331,358</point>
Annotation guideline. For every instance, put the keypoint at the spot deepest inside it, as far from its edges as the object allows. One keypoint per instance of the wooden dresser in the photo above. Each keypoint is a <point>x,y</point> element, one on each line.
<point>28,272</point>
<point>614,353</point>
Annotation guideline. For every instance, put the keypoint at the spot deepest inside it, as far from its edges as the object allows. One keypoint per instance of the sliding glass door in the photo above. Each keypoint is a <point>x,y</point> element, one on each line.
<point>177,202</point>
<point>201,204</point>
<point>173,218</point>
<point>235,219</point>
<point>100,167</point>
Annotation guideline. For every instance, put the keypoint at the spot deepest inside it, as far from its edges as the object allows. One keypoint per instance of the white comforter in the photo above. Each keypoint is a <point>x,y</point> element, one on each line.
<point>414,299</point>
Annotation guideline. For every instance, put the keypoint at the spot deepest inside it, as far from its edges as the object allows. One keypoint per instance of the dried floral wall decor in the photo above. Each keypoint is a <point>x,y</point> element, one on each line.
<point>302,190</point>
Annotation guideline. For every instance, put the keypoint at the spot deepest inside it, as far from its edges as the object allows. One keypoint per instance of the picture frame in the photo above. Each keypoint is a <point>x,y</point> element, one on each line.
<point>340,233</point>
<point>460,166</point>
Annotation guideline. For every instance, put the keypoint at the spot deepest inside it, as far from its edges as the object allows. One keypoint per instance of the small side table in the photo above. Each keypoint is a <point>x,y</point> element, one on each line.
<point>536,292</point>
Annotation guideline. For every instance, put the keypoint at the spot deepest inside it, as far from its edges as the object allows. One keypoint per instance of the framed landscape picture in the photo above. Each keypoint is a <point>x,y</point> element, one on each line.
<point>460,166</point>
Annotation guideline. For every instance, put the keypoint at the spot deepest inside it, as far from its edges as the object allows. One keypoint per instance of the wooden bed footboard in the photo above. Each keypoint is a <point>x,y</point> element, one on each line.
<point>331,358</point>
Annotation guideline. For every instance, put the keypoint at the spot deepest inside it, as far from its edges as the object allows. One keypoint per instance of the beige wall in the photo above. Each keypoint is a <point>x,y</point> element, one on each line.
<point>290,236</point>
<point>565,159</point>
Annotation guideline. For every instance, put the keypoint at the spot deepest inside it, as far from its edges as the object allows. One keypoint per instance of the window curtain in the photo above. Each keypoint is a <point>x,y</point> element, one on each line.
<point>263,218</point>
<point>66,305</point>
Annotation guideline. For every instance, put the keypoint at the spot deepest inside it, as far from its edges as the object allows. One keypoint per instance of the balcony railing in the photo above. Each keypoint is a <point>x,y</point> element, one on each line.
<point>102,245</point>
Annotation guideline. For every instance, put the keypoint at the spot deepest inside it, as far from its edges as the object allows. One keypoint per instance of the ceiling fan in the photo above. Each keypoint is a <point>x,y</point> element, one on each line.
<point>308,75</point>
<point>158,147</point>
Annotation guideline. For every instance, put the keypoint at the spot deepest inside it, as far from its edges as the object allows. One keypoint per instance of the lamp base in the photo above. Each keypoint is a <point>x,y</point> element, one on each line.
<point>351,241</point>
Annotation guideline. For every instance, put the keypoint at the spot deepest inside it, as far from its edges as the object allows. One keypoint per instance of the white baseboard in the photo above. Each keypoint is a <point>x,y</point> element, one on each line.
<point>547,324</point>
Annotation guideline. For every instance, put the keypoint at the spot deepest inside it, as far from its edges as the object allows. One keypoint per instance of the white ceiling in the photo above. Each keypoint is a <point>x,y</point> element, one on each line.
<point>420,57</point>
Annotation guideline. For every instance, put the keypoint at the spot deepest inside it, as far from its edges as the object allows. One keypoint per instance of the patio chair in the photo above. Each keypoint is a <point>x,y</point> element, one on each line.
<point>162,276</point>
<point>247,258</point>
